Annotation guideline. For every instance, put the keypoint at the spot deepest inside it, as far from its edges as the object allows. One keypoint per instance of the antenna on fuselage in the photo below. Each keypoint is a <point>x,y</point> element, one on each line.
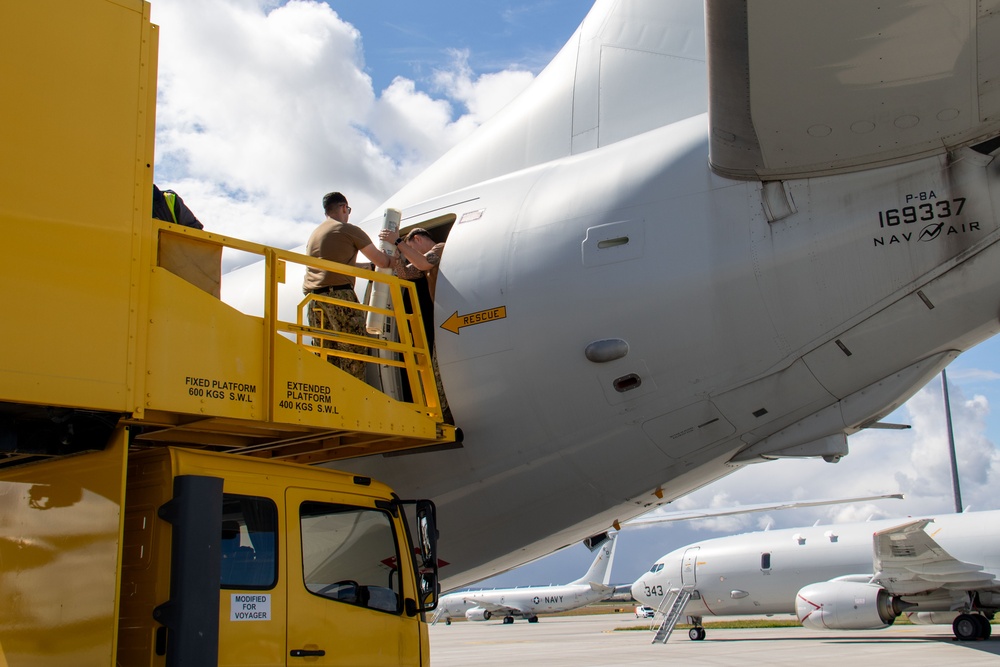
<point>951,444</point>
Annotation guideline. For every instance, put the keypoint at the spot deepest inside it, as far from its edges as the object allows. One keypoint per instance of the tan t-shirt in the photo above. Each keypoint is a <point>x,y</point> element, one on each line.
<point>337,242</point>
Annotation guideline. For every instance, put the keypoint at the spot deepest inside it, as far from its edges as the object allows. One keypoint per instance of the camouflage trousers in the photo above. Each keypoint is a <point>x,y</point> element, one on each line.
<point>333,317</point>
<point>445,410</point>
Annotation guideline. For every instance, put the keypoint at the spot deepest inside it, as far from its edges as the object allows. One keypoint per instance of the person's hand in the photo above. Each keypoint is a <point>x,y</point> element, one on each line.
<point>388,235</point>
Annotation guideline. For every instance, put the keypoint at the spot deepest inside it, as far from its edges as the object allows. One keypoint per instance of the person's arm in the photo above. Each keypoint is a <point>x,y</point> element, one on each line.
<point>185,216</point>
<point>415,257</point>
<point>377,257</point>
<point>406,271</point>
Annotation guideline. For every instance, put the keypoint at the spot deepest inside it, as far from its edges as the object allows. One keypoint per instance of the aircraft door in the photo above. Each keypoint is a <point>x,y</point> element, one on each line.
<point>689,568</point>
<point>345,593</point>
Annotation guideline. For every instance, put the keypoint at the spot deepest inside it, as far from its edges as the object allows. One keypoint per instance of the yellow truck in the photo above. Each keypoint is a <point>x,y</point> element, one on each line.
<point>164,496</point>
<point>224,560</point>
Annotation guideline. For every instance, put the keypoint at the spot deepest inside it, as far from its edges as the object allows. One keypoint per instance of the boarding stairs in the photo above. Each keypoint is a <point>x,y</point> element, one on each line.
<point>675,603</point>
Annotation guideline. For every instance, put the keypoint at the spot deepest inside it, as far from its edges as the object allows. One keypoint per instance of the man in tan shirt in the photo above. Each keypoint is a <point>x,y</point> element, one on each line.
<point>337,240</point>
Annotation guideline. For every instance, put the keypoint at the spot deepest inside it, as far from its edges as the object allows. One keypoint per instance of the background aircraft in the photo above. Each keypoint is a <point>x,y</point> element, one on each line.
<point>529,602</point>
<point>681,295</point>
<point>843,576</point>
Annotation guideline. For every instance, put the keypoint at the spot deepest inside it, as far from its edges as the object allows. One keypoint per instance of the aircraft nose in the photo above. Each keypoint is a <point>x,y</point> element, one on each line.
<point>639,590</point>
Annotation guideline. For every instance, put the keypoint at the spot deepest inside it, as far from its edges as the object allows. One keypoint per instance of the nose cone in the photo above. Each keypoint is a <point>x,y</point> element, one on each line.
<point>809,613</point>
<point>639,590</point>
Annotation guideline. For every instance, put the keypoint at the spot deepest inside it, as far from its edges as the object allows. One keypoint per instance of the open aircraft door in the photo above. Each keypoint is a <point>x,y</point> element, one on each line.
<point>689,568</point>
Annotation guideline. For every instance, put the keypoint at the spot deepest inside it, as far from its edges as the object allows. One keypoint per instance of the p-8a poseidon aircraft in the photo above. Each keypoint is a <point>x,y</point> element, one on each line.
<point>530,601</point>
<point>704,236</point>
<point>846,576</point>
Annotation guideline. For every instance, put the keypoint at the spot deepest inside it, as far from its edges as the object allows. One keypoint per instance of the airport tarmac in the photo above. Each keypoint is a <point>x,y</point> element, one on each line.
<point>592,641</point>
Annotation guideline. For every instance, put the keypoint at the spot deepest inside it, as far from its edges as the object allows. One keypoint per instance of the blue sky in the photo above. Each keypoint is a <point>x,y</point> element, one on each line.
<point>263,106</point>
<point>412,39</point>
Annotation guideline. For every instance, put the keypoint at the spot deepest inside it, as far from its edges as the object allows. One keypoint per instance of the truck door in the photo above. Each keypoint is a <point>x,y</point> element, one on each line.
<point>345,593</point>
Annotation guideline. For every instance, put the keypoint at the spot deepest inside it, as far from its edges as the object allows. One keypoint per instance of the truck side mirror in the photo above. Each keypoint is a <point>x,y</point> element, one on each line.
<point>427,571</point>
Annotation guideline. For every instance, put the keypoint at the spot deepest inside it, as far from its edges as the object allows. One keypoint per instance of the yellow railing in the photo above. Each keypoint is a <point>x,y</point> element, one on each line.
<point>200,254</point>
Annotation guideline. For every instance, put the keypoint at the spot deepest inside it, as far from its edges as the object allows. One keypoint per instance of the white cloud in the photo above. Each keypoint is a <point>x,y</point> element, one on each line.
<point>485,95</point>
<point>263,107</point>
<point>914,462</point>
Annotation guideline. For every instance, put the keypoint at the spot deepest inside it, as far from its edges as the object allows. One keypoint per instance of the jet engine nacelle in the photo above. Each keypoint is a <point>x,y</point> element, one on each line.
<point>478,614</point>
<point>846,605</point>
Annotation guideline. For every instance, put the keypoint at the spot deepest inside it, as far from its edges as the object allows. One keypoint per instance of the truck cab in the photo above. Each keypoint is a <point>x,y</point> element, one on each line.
<point>304,565</point>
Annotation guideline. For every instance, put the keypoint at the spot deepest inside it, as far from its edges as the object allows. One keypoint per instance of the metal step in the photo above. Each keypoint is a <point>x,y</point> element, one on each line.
<point>677,604</point>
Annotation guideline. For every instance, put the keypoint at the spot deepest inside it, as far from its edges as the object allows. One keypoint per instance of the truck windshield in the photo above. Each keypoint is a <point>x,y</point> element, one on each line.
<point>350,555</point>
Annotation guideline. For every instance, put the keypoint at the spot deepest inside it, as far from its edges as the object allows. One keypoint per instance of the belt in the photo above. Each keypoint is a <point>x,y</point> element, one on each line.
<point>329,288</point>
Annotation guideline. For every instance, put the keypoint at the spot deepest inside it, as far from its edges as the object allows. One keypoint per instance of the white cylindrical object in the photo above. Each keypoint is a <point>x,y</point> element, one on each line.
<point>376,322</point>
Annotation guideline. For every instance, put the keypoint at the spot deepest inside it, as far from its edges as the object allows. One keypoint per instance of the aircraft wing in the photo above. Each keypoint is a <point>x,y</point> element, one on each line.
<point>500,608</point>
<point>808,87</point>
<point>908,561</point>
<point>684,515</point>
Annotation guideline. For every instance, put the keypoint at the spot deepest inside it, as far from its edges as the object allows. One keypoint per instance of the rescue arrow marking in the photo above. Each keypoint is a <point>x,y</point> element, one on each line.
<point>456,321</point>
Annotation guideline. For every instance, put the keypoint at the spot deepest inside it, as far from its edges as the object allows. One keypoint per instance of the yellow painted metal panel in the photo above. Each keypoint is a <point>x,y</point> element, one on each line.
<point>59,545</point>
<point>350,635</point>
<point>72,71</point>
<point>310,391</point>
<point>203,357</point>
<point>145,556</point>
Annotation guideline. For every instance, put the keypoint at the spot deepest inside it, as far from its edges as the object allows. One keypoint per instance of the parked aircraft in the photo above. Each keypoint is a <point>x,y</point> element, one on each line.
<point>594,585</point>
<point>530,601</point>
<point>639,297</point>
<point>844,576</point>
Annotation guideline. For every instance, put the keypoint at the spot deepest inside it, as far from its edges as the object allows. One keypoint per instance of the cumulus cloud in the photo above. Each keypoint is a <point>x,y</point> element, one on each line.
<point>915,462</point>
<point>484,95</point>
<point>264,106</point>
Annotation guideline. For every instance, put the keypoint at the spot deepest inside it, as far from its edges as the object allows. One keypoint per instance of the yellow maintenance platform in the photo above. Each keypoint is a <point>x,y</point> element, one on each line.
<point>112,318</point>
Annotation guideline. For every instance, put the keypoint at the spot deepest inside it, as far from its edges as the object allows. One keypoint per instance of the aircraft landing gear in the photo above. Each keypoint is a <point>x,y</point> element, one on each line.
<point>697,633</point>
<point>970,627</point>
<point>507,620</point>
<point>532,619</point>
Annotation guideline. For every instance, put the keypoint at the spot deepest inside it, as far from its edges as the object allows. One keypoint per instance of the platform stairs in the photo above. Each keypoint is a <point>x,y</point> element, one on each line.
<point>673,604</point>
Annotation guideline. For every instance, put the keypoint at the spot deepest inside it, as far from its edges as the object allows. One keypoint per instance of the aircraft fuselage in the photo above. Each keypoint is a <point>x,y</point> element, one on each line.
<point>750,314</point>
<point>761,573</point>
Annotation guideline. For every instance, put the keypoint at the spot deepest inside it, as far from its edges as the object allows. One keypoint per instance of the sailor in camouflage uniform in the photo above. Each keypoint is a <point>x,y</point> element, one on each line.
<point>337,240</point>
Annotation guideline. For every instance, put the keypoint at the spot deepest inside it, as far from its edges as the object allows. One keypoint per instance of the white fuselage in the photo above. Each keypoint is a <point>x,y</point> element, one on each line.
<point>736,328</point>
<point>532,600</point>
<point>745,318</point>
<point>731,580</point>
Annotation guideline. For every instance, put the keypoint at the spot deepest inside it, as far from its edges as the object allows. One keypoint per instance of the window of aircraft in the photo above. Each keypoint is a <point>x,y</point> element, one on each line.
<point>765,561</point>
<point>656,567</point>
<point>349,555</point>
<point>249,542</point>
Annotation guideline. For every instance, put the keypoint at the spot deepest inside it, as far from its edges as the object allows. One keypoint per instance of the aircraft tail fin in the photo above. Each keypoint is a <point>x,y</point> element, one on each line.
<point>600,569</point>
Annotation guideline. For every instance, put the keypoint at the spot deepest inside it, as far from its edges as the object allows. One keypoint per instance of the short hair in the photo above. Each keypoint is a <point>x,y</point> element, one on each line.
<point>417,231</point>
<point>331,199</point>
